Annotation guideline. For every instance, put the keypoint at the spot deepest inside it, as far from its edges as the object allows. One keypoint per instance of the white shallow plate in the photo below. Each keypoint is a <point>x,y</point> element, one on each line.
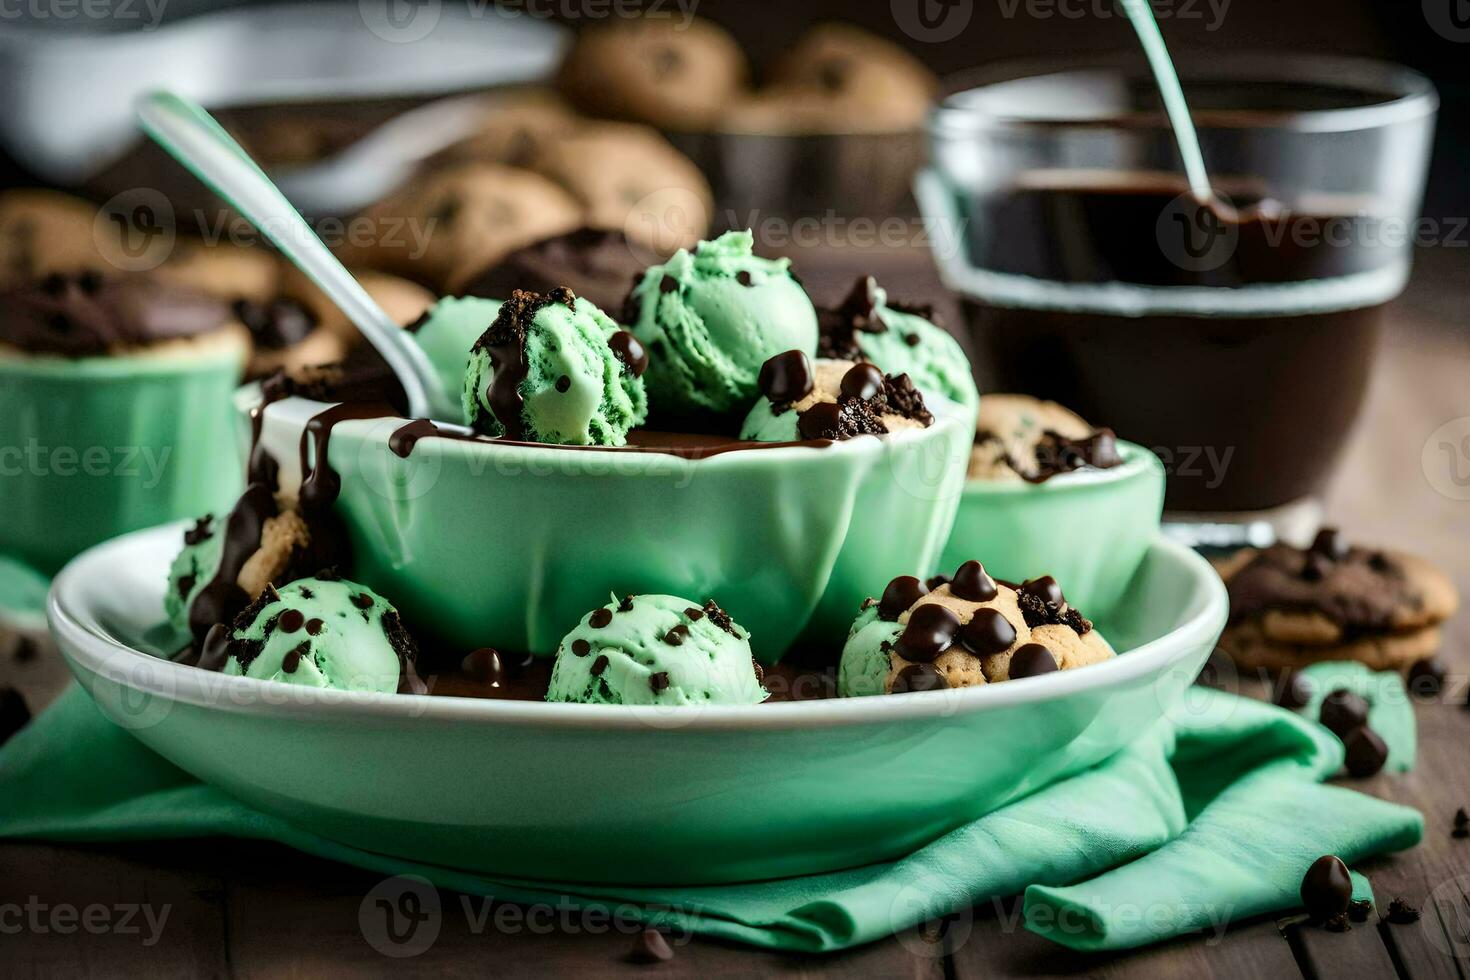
<point>626,795</point>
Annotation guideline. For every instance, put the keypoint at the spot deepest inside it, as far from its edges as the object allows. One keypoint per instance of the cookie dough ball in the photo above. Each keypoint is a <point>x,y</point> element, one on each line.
<point>831,399</point>
<point>516,126</point>
<point>319,632</point>
<point>899,339</point>
<point>595,263</point>
<point>555,369</point>
<point>233,273</point>
<point>44,232</point>
<point>969,631</point>
<point>658,70</point>
<point>226,562</point>
<point>1018,437</point>
<point>656,650</point>
<point>447,226</point>
<point>710,319</point>
<point>630,178</point>
<point>1292,607</point>
<point>839,79</point>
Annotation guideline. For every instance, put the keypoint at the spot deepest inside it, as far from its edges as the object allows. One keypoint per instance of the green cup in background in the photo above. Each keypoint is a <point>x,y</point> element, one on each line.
<point>93,447</point>
<point>1089,530</point>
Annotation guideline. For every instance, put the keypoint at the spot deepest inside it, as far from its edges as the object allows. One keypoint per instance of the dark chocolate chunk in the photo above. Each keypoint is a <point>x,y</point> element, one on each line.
<point>485,665</point>
<point>668,284</point>
<point>862,381</point>
<point>676,636</point>
<point>900,594</point>
<point>1031,659</point>
<point>314,626</point>
<point>658,681</point>
<point>1327,888</point>
<point>1426,678</point>
<point>1401,913</point>
<point>1293,692</point>
<point>581,647</point>
<point>919,677</point>
<point>822,421</point>
<point>1365,752</point>
<point>721,618</point>
<point>1045,588</point>
<point>1360,909</point>
<point>987,633</point>
<point>743,277</point>
<point>626,605</point>
<point>930,631</point>
<point>694,613</point>
<point>629,349</point>
<point>202,530</point>
<point>14,713</point>
<point>599,618</point>
<point>787,377</point>
<point>1338,923</point>
<point>650,947</point>
<point>972,583</point>
<point>362,600</point>
<point>563,384</point>
<point>290,621</point>
<point>599,665</point>
<point>1342,711</point>
<point>935,581</point>
<point>292,659</point>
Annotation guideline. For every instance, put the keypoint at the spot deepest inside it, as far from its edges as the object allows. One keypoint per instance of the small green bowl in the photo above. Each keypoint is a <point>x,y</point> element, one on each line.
<point>1088,529</point>
<point>93,447</point>
<point>508,545</point>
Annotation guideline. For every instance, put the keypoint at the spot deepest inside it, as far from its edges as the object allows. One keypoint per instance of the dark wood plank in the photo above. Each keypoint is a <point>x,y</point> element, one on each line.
<point>1325,955</point>
<point>117,911</point>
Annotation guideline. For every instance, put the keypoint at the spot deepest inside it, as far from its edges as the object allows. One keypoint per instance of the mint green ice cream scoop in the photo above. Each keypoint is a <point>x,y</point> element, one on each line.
<point>710,318</point>
<point>192,569</point>
<point>553,368</point>
<point>900,340</point>
<point>319,632</point>
<point>656,650</point>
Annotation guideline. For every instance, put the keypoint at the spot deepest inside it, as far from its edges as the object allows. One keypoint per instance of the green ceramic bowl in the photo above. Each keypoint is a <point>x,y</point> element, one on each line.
<point>509,545</point>
<point>623,794</point>
<point>93,447</point>
<point>1088,529</point>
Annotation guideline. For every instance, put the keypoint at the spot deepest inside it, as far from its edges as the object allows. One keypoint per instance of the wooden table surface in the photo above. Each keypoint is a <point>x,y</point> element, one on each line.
<point>257,910</point>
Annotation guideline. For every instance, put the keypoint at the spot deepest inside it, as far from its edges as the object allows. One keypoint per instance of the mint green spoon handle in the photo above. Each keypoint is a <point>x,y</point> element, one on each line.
<point>195,139</point>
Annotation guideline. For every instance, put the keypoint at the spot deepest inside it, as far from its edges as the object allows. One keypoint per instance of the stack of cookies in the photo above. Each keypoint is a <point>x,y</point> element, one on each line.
<point>1291,607</point>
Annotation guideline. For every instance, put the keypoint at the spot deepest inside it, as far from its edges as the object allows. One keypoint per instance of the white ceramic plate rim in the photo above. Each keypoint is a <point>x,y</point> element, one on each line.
<point>85,642</point>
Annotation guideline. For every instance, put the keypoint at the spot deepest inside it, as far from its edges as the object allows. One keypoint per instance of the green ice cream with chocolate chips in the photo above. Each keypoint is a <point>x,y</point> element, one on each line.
<point>318,632</point>
<point>553,368</point>
<point>710,318</point>
<point>656,650</point>
<point>448,330</point>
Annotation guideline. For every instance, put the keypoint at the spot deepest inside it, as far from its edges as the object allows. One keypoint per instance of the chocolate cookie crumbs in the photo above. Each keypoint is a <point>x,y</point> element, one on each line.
<point>626,605</point>
<point>202,531</point>
<point>1337,923</point>
<point>1401,913</point>
<point>1360,909</point>
<point>721,618</point>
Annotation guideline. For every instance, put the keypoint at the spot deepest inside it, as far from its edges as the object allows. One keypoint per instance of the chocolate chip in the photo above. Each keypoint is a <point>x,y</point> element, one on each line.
<point>787,377</point>
<point>1293,692</point>
<point>581,647</point>
<point>668,284</point>
<point>658,681</point>
<point>1326,888</point>
<point>1380,562</point>
<point>290,621</point>
<point>862,381</point>
<point>1426,678</point>
<point>599,618</point>
<point>1045,588</point>
<point>599,665</point>
<point>743,277</point>
<point>563,384</point>
<point>676,636</point>
<point>912,339</point>
<point>900,594</point>
<point>484,665</point>
<point>930,631</point>
<point>1342,711</point>
<point>292,659</point>
<point>720,618</point>
<point>987,633</point>
<point>821,421</point>
<point>1462,823</point>
<point>1360,909</point>
<point>362,600</point>
<point>694,613</point>
<point>14,714</point>
<point>1030,660</point>
<point>650,947</point>
<point>626,605</point>
<point>1330,543</point>
<point>919,677</point>
<point>935,581</point>
<point>1401,913</point>
<point>972,583</point>
<point>202,530</point>
<point>629,349</point>
<point>314,627</point>
<point>1365,752</point>
<point>1337,923</point>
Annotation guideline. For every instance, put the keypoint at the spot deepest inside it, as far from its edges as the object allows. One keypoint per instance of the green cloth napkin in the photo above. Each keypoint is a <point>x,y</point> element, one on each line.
<point>1216,810</point>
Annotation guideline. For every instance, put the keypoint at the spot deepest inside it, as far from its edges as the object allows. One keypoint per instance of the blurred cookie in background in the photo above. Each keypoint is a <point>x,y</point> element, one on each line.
<point>223,269</point>
<point>44,232</point>
<point>447,225</point>
<point>838,79</point>
<point>516,127</point>
<point>658,70</point>
<point>595,263</point>
<point>631,179</point>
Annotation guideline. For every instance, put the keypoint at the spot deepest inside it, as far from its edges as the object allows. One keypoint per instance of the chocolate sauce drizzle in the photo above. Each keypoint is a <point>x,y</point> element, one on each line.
<point>505,342</point>
<point>221,599</point>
